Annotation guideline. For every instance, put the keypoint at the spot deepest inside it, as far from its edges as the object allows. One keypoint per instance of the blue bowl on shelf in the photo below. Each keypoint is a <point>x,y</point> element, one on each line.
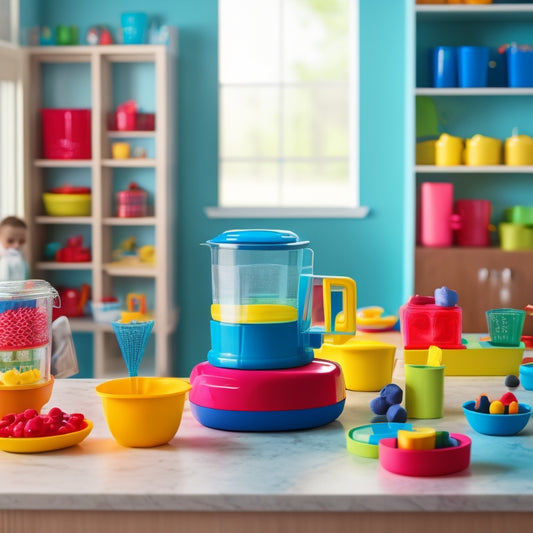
<point>493,424</point>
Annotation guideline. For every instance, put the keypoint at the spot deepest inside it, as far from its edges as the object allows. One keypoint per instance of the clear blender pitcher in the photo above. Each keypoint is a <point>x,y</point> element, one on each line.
<point>25,331</point>
<point>268,309</point>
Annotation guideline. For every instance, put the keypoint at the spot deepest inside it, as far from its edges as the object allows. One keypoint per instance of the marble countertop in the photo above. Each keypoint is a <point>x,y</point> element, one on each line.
<point>204,469</point>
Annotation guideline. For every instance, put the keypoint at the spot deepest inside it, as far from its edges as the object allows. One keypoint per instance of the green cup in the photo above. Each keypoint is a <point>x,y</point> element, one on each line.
<point>424,391</point>
<point>505,326</point>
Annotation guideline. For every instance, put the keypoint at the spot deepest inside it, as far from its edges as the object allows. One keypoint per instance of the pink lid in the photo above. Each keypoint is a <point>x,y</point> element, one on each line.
<point>317,384</point>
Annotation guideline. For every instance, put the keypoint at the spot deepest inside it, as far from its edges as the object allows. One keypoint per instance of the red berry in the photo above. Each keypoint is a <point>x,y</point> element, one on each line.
<point>34,427</point>
<point>5,432</point>
<point>10,418</point>
<point>55,412</point>
<point>30,413</point>
<point>66,428</point>
<point>18,430</point>
<point>76,419</point>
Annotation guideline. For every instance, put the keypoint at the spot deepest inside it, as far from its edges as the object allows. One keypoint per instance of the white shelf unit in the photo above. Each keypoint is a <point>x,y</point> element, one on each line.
<point>102,271</point>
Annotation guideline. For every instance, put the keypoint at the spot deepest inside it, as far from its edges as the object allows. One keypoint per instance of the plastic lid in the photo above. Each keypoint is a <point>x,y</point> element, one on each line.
<point>364,440</point>
<point>26,290</point>
<point>320,383</point>
<point>258,239</point>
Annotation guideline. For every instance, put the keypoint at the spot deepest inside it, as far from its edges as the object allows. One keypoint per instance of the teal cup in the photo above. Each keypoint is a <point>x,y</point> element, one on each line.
<point>505,326</point>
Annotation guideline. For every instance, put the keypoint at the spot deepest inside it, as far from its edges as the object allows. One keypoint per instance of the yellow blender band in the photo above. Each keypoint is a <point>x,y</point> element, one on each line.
<point>254,313</point>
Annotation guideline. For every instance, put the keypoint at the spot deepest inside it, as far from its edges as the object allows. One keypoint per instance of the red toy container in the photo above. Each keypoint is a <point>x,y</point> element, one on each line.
<point>424,323</point>
<point>66,133</point>
<point>133,202</point>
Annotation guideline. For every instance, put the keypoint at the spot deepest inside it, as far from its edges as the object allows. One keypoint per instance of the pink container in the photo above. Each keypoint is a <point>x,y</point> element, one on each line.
<point>66,133</point>
<point>133,202</point>
<point>437,462</point>
<point>437,220</point>
<point>474,222</point>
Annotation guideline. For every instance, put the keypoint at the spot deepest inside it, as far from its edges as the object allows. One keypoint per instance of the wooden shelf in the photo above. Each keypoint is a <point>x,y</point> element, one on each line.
<point>102,229</point>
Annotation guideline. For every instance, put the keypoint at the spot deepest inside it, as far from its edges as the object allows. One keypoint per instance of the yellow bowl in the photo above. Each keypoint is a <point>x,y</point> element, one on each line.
<point>18,398</point>
<point>367,365</point>
<point>142,412</point>
<point>67,205</point>
<point>45,444</point>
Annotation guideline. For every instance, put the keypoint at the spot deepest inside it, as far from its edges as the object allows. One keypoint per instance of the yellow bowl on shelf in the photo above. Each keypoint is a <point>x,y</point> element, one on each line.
<point>67,205</point>
<point>142,412</point>
<point>18,398</point>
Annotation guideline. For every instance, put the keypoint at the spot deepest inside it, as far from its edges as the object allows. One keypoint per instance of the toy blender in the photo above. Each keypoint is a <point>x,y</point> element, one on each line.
<point>25,344</point>
<point>268,313</point>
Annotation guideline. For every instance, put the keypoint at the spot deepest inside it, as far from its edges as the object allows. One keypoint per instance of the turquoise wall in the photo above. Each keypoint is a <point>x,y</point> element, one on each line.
<point>375,251</point>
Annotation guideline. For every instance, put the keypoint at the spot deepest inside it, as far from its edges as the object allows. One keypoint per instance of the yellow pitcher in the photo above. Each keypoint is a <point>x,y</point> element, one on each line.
<point>481,150</point>
<point>448,150</point>
<point>519,150</point>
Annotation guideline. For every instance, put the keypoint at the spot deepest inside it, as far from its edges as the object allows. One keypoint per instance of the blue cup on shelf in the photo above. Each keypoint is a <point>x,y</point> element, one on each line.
<point>519,66</point>
<point>444,66</point>
<point>134,28</point>
<point>473,65</point>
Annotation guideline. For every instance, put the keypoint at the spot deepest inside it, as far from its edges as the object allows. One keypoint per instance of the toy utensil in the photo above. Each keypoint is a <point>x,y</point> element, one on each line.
<point>132,338</point>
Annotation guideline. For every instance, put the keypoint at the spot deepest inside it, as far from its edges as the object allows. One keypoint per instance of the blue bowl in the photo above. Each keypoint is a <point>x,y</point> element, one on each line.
<point>526,376</point>
<point>489,424</point>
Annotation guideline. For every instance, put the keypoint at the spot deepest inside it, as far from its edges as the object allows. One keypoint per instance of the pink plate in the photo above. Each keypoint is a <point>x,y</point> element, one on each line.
<point>317,384</point>
<point>437,462</point>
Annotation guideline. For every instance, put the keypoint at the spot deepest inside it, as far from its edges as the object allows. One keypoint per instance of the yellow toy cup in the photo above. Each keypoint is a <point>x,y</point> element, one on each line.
<point>481,150</point>
<point>120,150</point>
<point>142,412</point>
<point>449,150</point>
<point>367,365</point>
<point>519,150</point>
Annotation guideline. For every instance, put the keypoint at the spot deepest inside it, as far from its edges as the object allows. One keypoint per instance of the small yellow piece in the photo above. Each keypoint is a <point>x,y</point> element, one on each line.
<point>418,439</point>
<point>496,408</point>
<point>11,377</point>
<point>30,376</point>
<point>434,356</point>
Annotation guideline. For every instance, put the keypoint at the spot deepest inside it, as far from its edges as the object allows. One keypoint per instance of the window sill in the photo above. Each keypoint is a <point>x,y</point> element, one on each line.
<point>286,212</point>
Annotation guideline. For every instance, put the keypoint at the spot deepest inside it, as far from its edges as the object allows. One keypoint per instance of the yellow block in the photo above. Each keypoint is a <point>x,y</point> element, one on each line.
<point>418,439</point>
<point>479,358</point>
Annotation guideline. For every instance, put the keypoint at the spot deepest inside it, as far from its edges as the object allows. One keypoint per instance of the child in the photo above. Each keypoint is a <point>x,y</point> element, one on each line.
<point>13,233</point>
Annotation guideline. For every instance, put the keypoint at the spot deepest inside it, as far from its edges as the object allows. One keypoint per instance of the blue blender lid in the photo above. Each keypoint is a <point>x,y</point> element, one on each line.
<point>258,239</point>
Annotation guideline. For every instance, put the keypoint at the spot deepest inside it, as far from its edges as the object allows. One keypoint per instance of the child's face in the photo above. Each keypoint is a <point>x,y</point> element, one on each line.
<point>11,237</point>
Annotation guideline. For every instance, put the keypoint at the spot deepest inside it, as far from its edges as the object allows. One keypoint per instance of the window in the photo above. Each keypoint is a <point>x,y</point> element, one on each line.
<point>11,197</point>
<point>288,104</point>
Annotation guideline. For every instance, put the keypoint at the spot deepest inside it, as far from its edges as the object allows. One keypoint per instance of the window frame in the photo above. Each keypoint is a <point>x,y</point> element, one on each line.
<point>355,210</point>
